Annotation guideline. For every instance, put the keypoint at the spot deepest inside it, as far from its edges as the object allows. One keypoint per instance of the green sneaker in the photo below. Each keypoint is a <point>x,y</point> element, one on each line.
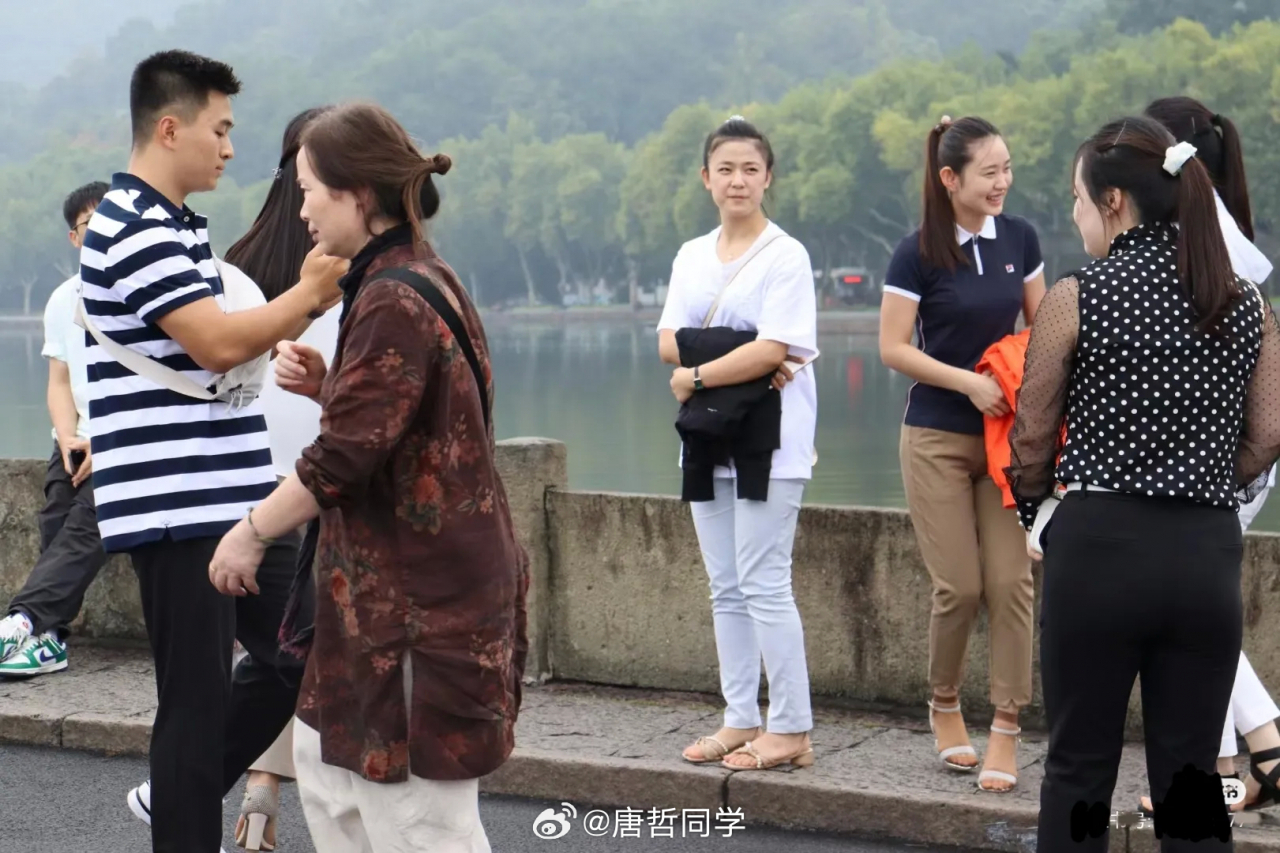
<point>37,656</point>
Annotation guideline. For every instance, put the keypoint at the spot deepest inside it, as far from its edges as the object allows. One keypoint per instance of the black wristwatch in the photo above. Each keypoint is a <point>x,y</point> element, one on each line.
<point>697,381</point>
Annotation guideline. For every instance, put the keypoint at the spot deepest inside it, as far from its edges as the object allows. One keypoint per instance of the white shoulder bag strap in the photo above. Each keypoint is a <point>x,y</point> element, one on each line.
<point>140,364</point>
<point>715,304</point>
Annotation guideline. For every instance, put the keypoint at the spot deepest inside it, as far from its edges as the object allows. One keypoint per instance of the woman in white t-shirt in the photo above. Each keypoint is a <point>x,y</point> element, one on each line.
<point>748,276</point>
<point>1252,711</point>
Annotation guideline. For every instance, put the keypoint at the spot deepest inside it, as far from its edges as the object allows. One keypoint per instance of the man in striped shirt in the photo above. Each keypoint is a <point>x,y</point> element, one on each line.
<point>173,473</point>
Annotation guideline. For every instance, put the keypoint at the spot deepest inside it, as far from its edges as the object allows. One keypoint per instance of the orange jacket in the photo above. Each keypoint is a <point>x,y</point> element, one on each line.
<point>1004,360</point>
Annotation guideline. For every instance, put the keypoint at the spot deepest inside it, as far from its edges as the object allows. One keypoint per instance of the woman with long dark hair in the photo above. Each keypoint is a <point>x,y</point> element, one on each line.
<point>412,685</point>
<point>270,252</point>
<point>1252,711</point>
<point>958,284</point>
<point>1164,367</point>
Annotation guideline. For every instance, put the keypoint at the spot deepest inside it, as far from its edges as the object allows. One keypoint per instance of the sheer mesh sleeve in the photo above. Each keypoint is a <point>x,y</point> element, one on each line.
<point>1260,438</point>
<point>1036,439</point>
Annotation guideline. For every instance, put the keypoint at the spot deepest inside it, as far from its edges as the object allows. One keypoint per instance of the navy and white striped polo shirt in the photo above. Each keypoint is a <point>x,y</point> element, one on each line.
<point>163,462</point>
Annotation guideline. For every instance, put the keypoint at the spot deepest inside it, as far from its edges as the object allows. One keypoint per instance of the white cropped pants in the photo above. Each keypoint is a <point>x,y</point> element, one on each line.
<point>746,546</point>
<point>1251,705</point>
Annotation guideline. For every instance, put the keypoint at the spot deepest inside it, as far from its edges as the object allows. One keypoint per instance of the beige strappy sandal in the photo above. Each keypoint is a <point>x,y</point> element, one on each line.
<point>713,749</point>
<point>944,755</point>
<point>1000,775</point>
<point>805,758</point>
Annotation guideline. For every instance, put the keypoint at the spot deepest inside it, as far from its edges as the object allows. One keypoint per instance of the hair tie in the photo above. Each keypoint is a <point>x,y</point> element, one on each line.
<point>944,125</point>
<point>734,118</point>
<point>1176,156</point>
<point>285,159</point>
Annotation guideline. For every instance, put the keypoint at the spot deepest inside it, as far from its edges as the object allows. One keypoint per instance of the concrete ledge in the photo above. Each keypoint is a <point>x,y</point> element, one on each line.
<point>544,775</point>
<point>108,733</point>
<point>619,593</point>
<point>797,800</point>
<point>876,776</point>
<point>32,728</point>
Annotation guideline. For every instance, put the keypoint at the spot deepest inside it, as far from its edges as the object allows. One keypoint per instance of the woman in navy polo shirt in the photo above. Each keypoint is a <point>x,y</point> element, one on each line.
<point>959,283</point>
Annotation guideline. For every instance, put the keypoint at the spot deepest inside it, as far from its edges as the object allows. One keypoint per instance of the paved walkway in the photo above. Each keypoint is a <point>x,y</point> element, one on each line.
<point>876,774</point>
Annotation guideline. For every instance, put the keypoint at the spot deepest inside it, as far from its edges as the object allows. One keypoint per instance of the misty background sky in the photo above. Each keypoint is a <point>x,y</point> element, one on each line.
<point>576,125</point>
<point>56,32</point>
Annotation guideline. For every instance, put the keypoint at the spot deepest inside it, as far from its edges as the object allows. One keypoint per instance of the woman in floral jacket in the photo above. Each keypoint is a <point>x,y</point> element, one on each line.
<point>413,682</point>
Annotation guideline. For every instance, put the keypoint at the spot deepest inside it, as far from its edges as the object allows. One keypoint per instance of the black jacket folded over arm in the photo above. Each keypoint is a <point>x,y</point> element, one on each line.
<point>742,423</point>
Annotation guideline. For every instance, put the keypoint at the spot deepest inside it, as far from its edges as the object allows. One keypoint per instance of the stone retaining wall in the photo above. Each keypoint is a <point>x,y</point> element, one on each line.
<point>620,596</point>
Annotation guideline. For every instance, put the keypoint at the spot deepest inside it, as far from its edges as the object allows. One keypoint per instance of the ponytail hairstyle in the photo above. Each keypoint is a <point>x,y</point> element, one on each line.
<point>271,252</point>
<point>949,146</point>
<point>1130,156</point>
<point>1218,147</point>
<point>356,147</point>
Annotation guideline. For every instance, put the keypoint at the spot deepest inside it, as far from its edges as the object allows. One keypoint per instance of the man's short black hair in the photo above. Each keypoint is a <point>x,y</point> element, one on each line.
<point>175,79</point>
<point>80,200</point>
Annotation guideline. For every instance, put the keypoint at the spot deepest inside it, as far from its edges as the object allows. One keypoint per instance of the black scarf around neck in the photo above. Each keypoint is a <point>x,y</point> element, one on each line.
<point>400,235</point>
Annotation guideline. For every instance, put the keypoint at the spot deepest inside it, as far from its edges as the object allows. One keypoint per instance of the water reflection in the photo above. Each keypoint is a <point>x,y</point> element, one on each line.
<point>598,386</point>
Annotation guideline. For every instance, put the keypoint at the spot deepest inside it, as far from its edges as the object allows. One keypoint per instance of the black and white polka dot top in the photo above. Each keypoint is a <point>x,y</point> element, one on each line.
<point>1151,405</point>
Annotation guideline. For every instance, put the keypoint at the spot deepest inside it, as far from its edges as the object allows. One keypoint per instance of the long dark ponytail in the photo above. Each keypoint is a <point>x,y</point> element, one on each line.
<point>1217,145</point>
<point>271,252</point>
<point>1129,155</point>
<point>950,145</point>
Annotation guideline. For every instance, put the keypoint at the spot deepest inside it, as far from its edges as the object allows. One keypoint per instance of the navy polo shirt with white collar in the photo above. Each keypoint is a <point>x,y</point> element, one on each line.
<point>962,313</point>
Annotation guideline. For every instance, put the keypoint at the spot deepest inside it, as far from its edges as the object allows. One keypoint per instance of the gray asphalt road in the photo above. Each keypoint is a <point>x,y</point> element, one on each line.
<point>57,801</point>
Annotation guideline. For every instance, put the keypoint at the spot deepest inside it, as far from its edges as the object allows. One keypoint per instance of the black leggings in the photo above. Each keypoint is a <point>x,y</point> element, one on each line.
<point>1137,586</point>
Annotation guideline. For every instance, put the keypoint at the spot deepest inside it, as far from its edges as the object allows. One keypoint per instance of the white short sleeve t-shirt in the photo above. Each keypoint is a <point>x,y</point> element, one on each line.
<point>1248,263</point>
<point>293,422</point>
<point>64,341</point>
<point>774,295</point>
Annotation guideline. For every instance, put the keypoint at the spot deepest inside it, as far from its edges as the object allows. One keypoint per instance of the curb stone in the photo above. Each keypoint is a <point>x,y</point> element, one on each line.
<point>777,799</point>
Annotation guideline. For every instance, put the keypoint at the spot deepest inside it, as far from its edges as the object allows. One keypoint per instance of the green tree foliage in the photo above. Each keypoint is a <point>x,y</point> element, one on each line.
<point>1143,16</point>
<point>537,213</point>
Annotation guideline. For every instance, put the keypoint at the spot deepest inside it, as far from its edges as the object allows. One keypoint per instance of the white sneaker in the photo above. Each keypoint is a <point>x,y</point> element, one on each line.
<point>15,630</point>
<point>139,801</point>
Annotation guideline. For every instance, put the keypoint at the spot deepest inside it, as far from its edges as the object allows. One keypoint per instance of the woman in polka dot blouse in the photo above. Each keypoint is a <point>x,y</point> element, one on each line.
<point>1166,369</point>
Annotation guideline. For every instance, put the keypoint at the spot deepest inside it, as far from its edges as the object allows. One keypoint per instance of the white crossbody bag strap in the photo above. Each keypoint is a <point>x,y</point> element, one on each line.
<point>715,304</point>
<point>147,368</point>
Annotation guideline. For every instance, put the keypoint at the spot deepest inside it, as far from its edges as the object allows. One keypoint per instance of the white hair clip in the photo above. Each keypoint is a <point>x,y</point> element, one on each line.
<point>276,173</point>
<point>735,118</point>
<point>1177,156</point>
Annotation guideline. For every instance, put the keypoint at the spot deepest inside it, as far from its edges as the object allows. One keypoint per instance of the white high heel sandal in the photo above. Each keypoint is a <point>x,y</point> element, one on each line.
<point>1000,775</point>
<point>945,754</point>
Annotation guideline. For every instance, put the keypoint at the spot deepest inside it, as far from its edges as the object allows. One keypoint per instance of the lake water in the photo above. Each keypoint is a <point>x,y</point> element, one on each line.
<point>598,386</point>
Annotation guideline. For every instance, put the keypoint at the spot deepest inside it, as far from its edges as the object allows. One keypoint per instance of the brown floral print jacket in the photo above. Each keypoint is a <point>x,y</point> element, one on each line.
<point>420,627</point>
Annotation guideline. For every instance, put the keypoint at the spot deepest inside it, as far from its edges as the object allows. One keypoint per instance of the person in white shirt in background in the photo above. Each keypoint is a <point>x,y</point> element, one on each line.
<point>1252,711</point>
<point>270,253</point>
<point>33,633</point>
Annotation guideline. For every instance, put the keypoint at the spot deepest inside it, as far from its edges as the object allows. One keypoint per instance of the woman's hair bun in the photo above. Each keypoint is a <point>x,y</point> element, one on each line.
<point>440,164</point>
